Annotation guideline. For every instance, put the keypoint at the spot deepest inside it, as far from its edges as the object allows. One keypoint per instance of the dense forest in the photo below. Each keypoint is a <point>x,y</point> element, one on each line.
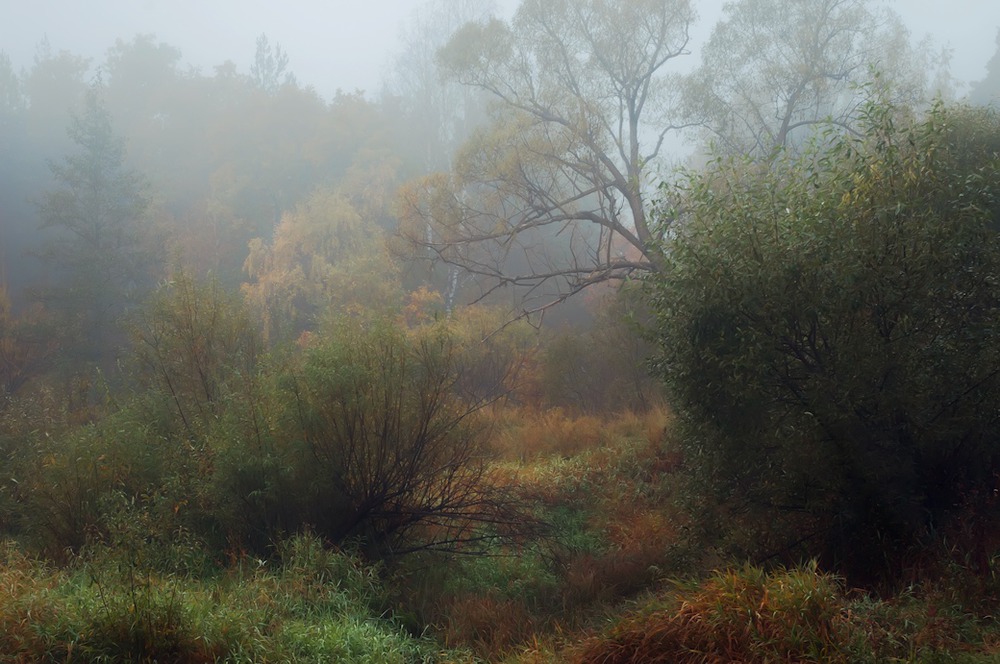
<point>570,344</point>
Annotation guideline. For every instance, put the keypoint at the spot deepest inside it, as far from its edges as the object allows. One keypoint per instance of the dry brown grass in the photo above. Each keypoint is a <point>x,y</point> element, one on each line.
<point>737,616</point>
<point>527,434</point>
<point>488,624</point>
<point>23,601</point>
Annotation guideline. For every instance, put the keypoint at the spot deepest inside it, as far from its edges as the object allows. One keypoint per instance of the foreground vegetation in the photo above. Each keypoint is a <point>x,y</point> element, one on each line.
<point>616,579</point>
<point>324,457</point>
<point>414,487</point>
<point>310,604</point>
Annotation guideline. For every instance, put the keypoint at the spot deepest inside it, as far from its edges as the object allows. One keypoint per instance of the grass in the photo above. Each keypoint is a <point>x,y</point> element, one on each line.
<point>737,615</point>
<point>313,605</point>
<point>598,586</point>
<point>800,615</point>
<point>611,533</point>
<point>618,542</point>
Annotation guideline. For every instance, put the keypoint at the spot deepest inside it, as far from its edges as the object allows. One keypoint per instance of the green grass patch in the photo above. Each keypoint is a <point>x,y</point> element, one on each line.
<point>312,605</point>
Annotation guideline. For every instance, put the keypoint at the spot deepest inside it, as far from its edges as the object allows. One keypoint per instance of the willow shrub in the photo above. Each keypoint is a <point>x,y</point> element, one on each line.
<point>827,330</point>
<point>365,437</point>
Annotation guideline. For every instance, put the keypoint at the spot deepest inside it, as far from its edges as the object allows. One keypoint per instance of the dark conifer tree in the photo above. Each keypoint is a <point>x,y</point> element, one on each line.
<point>96,245</point>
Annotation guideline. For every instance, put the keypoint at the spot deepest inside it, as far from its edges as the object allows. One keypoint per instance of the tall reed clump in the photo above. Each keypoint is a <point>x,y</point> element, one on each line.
<point>744,615</point>
<point>800,615</point>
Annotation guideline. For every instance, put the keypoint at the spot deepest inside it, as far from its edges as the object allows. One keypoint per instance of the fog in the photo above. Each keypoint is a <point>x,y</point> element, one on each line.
<point>331,45</point>
<point>348,45</point>
<point>301,300</point>
<point>966,27</point>
<point>248,126</point>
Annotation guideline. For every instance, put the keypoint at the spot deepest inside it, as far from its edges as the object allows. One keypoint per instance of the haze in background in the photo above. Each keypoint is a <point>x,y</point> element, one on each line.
<point>347,45</point>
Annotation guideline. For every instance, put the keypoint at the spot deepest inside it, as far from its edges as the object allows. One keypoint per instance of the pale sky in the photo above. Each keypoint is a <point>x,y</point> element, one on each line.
<point>967,27</point>
<point>347,44</point>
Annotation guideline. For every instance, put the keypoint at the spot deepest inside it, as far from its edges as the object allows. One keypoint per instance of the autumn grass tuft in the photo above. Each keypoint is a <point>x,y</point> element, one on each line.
<point>801,615</point>
<point>736,616</point>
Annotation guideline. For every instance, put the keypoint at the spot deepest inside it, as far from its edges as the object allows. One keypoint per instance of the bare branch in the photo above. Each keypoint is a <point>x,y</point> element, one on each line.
<point>561,175</point>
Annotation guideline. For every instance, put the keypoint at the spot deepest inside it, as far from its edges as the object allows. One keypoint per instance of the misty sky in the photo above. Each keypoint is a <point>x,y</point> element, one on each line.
<point>347,44</point>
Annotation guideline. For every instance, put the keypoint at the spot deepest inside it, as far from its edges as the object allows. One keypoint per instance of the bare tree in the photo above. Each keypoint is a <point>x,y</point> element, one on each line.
<point>775,70</point>
<point>552,196</point>
<point>440,114</point>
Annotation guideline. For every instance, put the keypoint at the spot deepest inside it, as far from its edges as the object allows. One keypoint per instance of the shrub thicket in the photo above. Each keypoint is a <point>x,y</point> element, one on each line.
<point>365,437</point>
<point>827,328</point>
<point>602,368</point>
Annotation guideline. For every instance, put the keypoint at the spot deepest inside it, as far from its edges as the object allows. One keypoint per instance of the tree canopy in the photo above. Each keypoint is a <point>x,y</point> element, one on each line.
<point>97,219</point>
<point>581,101</point>
<point>774,71</point>
<point>827,331</point>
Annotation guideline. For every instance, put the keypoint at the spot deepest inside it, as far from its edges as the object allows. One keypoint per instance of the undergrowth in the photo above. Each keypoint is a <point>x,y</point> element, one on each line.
<point>311,604</point>
<point>799,614</point>
<point>604,488</point>
<point>598,585</point>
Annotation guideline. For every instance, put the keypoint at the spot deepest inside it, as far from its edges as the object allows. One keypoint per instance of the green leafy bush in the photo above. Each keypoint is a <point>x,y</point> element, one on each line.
<point>71,486</point>
<point>827,329</point>
<point>197,347</point>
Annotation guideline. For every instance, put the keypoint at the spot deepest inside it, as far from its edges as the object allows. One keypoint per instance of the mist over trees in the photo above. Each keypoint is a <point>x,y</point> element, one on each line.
<point>524,204</point>
<point>570,289</point>
<point>987,91</point>
<point>581,111</point>
<point>774,72</point>
<point>98,249</point>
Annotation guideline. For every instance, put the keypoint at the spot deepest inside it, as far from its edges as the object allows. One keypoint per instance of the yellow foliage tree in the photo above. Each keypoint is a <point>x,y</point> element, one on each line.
<point>324,259</point>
